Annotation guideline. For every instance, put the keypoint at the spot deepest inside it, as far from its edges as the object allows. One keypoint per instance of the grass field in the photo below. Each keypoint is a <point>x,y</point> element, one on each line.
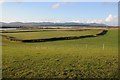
<point>49,34</point>
<point>82,58</point>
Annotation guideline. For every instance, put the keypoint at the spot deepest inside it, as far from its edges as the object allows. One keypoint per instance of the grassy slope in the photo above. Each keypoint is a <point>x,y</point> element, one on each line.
<point>62,59</point>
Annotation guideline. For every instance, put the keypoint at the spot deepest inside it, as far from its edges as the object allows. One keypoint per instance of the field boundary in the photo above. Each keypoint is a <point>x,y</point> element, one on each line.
<point>103,32</point>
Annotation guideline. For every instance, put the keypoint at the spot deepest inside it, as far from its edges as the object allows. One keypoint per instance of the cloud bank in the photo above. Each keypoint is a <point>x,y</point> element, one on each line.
<point>109,20</point>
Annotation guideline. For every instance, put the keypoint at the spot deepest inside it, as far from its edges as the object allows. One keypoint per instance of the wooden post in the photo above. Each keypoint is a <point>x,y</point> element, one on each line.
<point>103,46</point>
<point>86,46</point>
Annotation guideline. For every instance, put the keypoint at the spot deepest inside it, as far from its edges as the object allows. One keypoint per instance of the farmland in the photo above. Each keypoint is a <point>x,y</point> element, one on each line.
<point>81,58</point>
<point>49,34</point>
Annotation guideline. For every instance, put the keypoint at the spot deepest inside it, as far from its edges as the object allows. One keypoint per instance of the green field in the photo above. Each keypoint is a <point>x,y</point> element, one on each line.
<point>82,58</point>
<point>50,34</point>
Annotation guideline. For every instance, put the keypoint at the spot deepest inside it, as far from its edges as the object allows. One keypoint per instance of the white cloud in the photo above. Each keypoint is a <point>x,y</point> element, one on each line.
<point>111,20</point>
<point>87,21</point>
<point>55,6</point>
<point>95,21</point>
<point>1,1</point>
<point>76,21</point>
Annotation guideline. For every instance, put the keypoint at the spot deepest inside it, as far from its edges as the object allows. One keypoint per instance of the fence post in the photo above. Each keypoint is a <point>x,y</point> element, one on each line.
<point>103,46</point>
<point>86,46</point>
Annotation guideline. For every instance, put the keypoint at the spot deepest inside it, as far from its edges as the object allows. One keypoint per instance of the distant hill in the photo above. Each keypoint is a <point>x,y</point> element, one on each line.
<point>38,24</point>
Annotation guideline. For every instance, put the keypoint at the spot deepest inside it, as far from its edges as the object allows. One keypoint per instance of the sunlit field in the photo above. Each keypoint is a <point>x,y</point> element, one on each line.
<point>79,58</point>
<point>50,34</point>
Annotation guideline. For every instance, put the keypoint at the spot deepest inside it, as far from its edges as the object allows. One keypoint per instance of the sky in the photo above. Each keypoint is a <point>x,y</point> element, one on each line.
<point>81,12</point>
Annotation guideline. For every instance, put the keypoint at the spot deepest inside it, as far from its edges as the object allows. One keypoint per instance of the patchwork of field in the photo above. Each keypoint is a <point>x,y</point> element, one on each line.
<point>81,58</point>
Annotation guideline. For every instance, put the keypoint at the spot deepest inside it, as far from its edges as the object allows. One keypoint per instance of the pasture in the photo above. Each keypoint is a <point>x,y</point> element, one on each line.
<point>49,34</point>
<point>81,58</point>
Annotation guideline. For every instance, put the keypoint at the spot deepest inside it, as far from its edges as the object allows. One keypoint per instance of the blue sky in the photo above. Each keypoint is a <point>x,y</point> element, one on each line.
<point>89,12</point>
